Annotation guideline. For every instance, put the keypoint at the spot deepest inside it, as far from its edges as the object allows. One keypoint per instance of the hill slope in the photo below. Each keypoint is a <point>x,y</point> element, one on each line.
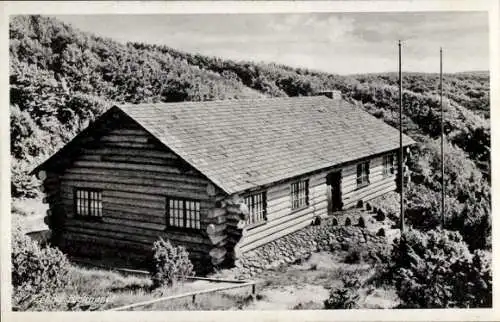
<point>62,78</point>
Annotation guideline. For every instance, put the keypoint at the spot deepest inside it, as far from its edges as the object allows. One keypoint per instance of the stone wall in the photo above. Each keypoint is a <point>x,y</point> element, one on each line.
<point>330,235</point>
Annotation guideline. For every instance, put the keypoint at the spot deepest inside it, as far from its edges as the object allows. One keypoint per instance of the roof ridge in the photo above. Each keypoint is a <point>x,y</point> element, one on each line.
<point>320,97</point>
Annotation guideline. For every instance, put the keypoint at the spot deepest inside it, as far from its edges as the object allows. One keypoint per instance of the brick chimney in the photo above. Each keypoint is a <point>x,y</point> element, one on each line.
<point>333,94</point>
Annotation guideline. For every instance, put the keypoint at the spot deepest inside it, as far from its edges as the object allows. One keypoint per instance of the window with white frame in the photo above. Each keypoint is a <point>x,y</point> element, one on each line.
<point>299,193</point>
<point>363,174</point>
<point>88,203</point>
<point>183,213</point>
<point>256,203</point>
<point>388,165</point>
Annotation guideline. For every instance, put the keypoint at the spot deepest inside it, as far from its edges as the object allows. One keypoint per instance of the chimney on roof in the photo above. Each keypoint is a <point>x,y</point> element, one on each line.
<point>333,94</point>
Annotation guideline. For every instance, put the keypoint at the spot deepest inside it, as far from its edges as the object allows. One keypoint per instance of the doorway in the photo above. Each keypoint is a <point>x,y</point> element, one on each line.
<point>333,180</point>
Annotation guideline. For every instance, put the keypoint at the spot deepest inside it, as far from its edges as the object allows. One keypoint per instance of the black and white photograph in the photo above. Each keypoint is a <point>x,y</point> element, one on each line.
<point>314,160</point>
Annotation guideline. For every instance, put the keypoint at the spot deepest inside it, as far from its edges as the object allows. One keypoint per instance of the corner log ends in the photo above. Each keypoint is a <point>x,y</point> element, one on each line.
<point>226,228</point>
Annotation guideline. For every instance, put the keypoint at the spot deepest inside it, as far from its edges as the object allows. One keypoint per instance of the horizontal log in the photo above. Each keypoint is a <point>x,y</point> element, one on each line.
<point>144,249</point>
<point>124,138</point>
<point>117,235</point>
<point>352,186</point>
<point>118,165</point>
<point>129,132</point>
<point>217,221</point>
<point>137,217</point>
<point>134,196</point>
<point>142,181</point>
<point>69,185</point>
<point>147,241</point>
<point>217,239</point>
<point>135,223</point>
<point>42,175</point>
<point>147,204</point>
<point>163,154</point>
<point>285,204</point>
<point>137,159</point>
<point>105,240</point>
<point>187,236</point>
<point>360,193</point>
<point>131,145</point>
<point>276,214</point>
<point>215,229</point>
<point>218,252</point>
<point>241,224</point>
<point>216,212</point>
<point>125,208</point>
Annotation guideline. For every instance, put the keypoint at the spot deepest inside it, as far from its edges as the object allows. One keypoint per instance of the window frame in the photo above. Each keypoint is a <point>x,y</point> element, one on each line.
<point>91,216</point>
<point>360,183</point>
<point>295,193</point>
<point>263,193</point>
<point>184,214</point>
<point>388,168</point>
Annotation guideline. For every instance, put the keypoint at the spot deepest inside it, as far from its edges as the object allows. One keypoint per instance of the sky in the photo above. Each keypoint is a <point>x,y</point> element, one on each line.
<point>342,43</point>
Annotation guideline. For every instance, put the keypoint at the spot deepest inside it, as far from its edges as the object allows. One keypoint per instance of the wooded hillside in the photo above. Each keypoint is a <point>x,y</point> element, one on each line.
<point>62,78</point>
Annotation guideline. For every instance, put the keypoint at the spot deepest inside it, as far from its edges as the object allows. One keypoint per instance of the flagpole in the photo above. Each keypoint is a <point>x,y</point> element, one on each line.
<point>401,154</point>
<point>442,136</point>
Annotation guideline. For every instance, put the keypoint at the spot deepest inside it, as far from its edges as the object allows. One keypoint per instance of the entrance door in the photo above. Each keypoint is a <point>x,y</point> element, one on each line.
<point>334,194</point>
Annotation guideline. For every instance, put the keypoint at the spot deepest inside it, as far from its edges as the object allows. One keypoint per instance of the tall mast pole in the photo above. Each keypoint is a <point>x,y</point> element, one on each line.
<point>442,136</point>
<point>401,153</point>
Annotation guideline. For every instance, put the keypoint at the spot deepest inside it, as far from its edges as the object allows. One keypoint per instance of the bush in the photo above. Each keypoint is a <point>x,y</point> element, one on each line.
<point>361,222</point>
<point>381,232</point>
<point>170,264</point>
<point>436,270</point>
<point>353,257</point>
<point>380,215</point>
<point>347,221</point>
<point>345,297</point>
<point>36,272</point>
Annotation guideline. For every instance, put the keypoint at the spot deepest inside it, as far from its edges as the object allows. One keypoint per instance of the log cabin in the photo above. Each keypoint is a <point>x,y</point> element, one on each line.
<point>219,177</point>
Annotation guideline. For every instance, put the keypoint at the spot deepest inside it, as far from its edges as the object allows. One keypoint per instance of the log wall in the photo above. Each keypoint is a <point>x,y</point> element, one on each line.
<point>135,174</point>
<point>282,220</point>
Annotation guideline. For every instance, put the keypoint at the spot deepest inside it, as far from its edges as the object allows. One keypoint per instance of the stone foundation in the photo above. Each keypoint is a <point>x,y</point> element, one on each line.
<point>329,235</point>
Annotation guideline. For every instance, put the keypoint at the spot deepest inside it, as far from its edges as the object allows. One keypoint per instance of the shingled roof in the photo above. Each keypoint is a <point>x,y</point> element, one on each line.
<point>241,144</point>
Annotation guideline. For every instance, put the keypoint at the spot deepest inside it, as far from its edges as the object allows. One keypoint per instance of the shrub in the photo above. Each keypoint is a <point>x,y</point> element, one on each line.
<point>361,222</point>
<point>170,264</point>
<point>353,257</point>
<point>36,272</point>
<point>348,221</point>
<point>381,232</point>
<point>345,297</point>
<point>436,270</point>
<point>380,215</point>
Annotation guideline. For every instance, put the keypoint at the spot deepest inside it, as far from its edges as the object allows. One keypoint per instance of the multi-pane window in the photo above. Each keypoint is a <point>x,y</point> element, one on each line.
<point>388,165</point>
<point>299,194</point>
<point>257,208</point>
<point>363,173</point>
<point>183,213</point>
<point>88,202</point>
